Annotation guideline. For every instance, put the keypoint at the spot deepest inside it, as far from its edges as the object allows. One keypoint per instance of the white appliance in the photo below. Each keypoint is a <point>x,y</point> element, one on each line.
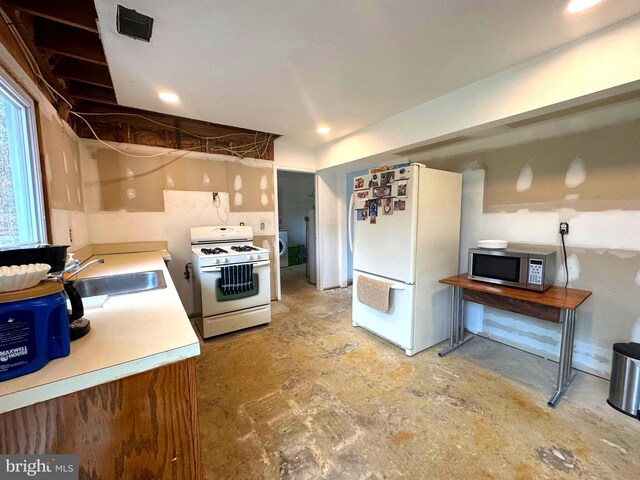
<point>232,280</point>
<point>410,246</point>
<point>284,248</point>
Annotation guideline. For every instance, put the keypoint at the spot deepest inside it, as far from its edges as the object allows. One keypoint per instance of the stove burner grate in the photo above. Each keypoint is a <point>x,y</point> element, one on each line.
<point>213,251</point>
<point>243,248</point>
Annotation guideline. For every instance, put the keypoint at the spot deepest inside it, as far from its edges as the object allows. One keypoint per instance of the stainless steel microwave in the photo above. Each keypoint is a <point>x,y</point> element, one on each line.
<point>532,268</point>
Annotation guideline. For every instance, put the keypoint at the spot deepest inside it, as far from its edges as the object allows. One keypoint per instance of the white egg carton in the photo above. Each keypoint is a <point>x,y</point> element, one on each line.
<point>19,277</point>
<point>492,244</point>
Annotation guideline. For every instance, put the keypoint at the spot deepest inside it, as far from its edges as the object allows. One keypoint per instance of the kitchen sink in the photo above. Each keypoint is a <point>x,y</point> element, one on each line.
<point>121,284</point>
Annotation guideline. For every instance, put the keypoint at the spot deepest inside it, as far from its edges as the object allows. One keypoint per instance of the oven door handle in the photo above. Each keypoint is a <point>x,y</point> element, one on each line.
<point>217,269</point>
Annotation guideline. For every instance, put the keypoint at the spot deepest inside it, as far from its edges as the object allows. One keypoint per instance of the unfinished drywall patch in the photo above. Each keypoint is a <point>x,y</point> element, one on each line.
<point>573,265</point>
<point>635,331</point>
<point>189,173</point>
<point>576,174</point>
<point>136,184</point>
<point>61,151</point>
<point>121,178</point>
<point>596,170</point>
<point>270,243</point>
<point>525,179</point>
<point>237,187</point>
<point>252,183</point>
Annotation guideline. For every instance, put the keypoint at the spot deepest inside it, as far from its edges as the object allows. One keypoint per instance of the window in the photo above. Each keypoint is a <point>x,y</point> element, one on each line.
<point>21,201</point>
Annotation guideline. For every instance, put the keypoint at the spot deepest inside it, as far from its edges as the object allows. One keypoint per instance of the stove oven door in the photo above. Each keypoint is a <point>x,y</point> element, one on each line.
<point>214,302</point>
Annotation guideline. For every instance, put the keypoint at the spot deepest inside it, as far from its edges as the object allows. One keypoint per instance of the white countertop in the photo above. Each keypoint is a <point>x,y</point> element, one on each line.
<point>130,334</point>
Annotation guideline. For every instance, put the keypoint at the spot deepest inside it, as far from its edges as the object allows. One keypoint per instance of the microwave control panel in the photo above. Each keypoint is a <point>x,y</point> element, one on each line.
<point>535,272</point>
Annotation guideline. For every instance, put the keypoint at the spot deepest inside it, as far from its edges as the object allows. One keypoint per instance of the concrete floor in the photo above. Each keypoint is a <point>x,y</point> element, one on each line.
<point>310,396</point>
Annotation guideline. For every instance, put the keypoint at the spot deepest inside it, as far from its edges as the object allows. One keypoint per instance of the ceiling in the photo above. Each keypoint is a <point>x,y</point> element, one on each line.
<point>287,67</point>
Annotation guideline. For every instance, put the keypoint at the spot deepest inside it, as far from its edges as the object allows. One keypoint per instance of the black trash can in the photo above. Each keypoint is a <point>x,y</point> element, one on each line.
<point>624,388</point>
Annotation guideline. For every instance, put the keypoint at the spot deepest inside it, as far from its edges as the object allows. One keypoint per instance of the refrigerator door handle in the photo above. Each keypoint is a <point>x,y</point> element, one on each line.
<point>350,222</point>
<point>398,287</point>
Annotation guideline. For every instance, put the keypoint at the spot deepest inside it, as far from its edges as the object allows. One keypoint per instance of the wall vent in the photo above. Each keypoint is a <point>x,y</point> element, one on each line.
<point>134,24</point>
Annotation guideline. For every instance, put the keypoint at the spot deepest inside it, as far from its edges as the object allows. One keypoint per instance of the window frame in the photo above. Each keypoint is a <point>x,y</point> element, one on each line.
<point>34,179</point>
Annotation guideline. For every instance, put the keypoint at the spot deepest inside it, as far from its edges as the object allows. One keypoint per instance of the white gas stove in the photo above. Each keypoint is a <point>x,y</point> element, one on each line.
<point>232,279</point>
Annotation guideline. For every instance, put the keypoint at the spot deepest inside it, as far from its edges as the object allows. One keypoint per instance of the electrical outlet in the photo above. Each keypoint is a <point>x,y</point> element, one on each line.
<point>564,228</point>
<point>262,226</point>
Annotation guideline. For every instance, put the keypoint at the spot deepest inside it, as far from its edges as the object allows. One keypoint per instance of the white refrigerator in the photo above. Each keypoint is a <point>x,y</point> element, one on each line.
<point>411,244</point>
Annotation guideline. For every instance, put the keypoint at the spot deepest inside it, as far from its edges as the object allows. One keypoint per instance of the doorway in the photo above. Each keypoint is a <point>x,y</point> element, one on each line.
<point>296,221</point>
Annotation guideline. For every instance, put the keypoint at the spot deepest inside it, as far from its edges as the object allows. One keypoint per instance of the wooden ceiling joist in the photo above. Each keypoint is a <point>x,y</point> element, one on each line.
<point>69,41</point>
<point>81,71</point>
<point>79,14</point>
<point>92,93</point>
<point>121,124</point>
<point>25,35</point>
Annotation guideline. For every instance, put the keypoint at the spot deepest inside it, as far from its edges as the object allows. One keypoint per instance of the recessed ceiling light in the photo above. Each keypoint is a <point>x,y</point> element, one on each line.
<point>575,6</point>
<point>323,130</point>
<point>168,97</point>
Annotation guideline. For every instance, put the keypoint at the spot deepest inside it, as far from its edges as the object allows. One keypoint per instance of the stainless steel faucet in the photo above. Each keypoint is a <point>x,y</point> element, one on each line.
<point>86,265</point>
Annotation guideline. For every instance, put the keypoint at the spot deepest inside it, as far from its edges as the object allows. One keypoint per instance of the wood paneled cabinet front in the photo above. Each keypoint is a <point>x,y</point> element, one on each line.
<point>144,426</point>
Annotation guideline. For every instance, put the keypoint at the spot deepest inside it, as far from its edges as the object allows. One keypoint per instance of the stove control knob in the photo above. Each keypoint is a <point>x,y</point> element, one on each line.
<point>249,257</point>
<point>217,260</point>
<point>258,257</point>
<point>225,260</point>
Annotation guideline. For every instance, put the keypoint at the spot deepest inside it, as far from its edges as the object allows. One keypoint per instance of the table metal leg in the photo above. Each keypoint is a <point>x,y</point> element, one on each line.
<point>568,318</point>
<point>457,322</point>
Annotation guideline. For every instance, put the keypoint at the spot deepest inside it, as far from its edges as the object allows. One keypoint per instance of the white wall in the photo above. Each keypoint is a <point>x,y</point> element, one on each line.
<point>288,156</point>
<point>599,65</point>
<point>296,196</point>
<point>330,211</point>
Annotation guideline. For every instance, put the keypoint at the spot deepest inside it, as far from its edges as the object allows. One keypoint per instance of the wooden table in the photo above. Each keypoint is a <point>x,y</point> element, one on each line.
<point>557,305</point>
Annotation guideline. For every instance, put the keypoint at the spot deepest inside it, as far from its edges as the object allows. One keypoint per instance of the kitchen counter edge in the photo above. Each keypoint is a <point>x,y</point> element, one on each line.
<point>55,388</point>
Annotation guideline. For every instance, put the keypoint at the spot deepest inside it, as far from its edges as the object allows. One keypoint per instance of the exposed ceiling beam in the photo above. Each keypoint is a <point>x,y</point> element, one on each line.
<point>78,70</point>
<point>69,41</point>
<point>82,91</point>
<point>79,14</point>
<point>21,30</point>
<point>164,118</point>
<point>130,125</point>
